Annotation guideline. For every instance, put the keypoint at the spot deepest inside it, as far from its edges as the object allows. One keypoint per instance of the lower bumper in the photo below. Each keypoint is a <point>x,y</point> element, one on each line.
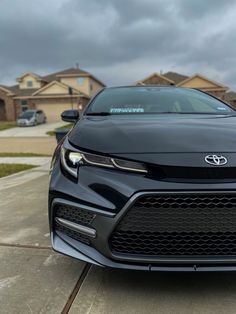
<point>99,252</point>
<point>69,247</point>
<point>25,124</point>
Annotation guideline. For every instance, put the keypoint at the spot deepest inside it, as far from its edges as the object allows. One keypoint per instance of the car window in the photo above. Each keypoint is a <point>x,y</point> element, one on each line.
<point>129,100</point>
<point>201,106</point>
<point>27,114</point>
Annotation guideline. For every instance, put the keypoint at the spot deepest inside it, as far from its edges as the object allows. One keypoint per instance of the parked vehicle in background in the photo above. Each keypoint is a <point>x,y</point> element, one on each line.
<point>31,117</point>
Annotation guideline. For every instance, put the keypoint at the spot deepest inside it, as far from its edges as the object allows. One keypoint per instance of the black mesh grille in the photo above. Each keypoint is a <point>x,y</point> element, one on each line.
<point>76,215</point>
<point>178,224</point>
<point>72,234</point>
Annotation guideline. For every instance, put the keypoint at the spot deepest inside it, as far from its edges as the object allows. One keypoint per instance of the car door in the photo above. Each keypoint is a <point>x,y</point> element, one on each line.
<point>37,117</point>
<point>40,116</point>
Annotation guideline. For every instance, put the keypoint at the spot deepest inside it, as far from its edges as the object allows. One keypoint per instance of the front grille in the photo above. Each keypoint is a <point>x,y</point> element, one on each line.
<point>178,224</point>
<point>76,215</point>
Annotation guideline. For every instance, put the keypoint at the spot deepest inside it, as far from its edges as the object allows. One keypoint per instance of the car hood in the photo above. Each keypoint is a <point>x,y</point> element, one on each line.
<point>148,134</point>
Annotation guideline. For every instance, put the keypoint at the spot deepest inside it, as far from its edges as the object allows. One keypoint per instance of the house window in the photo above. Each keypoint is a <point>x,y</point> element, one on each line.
<point>24,105</point>
<point>29,83</point>
<point>91,86</point>
<point>80,80</point>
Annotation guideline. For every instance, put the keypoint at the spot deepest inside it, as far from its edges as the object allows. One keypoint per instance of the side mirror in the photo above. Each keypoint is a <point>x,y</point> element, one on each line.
<point>70,115</point>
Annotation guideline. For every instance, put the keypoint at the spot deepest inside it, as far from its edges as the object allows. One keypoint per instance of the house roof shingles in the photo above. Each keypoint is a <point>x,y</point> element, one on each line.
<point>230,96</point>
<point>71,71</point>
<point>176,77</point>
<point>4,86</point>
<point>22,92</point>
<point>55,76</point>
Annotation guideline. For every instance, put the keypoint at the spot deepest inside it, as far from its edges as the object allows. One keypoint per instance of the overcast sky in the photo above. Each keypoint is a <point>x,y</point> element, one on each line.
<point>119,41</point>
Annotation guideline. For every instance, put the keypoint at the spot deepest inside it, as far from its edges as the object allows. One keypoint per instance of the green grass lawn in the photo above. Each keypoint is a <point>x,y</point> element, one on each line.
<point>6,125</point>
<point>7,169</point>
<point>23,155</point>
<point>66,126</point>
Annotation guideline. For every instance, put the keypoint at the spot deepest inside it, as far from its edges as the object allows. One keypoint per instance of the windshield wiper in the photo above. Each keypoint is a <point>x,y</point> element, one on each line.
<point>98,113</point>
<point>202,113</point>
<point>102,113</point>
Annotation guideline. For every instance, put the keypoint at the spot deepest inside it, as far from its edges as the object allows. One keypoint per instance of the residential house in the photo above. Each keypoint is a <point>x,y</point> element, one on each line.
<point>53,93</point>
<point>197,81</point>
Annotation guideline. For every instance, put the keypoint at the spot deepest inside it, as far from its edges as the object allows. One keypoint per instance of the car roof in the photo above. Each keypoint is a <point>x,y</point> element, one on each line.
<point>142,86</point>
<point>170,87</point>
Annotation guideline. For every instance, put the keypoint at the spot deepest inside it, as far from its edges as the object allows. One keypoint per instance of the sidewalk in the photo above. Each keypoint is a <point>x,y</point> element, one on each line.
<point>15,179</point>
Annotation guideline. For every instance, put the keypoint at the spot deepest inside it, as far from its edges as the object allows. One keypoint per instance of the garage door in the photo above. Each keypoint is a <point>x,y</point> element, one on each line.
<point>53,111</point>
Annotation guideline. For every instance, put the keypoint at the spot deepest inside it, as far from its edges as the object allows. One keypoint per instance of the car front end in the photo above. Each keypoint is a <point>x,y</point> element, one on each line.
<point>25,122</point>
<point>146,192</point>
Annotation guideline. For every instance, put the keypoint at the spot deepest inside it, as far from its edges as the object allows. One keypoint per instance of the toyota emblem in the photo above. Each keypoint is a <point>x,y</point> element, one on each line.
<point>216,160</point>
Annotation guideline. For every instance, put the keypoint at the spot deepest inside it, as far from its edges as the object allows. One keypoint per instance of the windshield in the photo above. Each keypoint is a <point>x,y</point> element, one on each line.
<point>27,114</point>
<point>138,100</point>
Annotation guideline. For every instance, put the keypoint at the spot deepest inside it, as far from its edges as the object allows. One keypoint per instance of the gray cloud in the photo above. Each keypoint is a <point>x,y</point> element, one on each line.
<point>120,41</point>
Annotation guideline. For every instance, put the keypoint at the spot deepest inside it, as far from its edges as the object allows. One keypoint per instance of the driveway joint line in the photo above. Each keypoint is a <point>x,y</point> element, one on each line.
<point>25,246</point>
<point>76,289</point>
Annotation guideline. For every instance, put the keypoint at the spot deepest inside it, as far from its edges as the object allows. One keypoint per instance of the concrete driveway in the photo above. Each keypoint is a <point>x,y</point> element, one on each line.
<point>118,292</point>
<point>31,131</point>
<point>33,279</point>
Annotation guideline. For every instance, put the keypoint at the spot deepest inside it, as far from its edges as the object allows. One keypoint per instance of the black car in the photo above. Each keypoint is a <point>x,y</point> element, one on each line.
<point>146,180</point>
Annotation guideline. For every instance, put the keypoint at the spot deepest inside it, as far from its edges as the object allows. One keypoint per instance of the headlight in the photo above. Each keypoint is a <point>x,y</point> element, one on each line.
<point>71,160</point>
<point>75,158</point>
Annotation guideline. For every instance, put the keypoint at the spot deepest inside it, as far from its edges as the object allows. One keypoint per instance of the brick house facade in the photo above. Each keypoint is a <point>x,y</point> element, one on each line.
<point>7,108</point>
